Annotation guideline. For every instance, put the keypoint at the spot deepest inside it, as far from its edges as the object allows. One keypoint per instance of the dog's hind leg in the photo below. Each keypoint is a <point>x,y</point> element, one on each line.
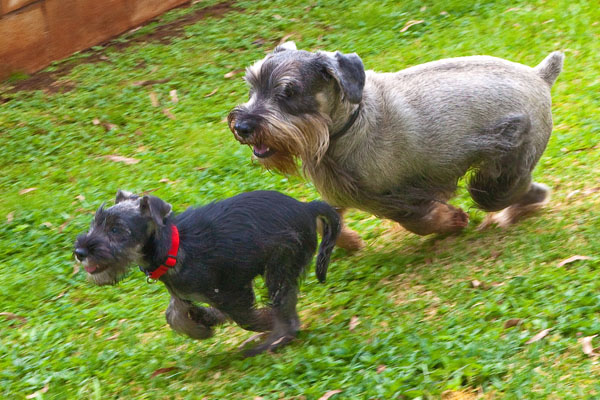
<point>433,217</point>
<point>348,239</point>
<point>196,322</point>
<point>504,182</point>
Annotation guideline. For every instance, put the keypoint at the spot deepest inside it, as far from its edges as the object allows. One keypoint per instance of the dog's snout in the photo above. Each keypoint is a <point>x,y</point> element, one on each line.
<point>244,128</point>
<point>81,253</point>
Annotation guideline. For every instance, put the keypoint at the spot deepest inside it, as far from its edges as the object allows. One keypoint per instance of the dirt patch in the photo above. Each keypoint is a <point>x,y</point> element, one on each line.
<point>51,82</point>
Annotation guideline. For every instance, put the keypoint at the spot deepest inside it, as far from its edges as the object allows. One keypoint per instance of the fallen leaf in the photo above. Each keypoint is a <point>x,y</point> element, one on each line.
<point>10,217</point>
<point>109,127</point>
<point>64,224</point>
<point>168,113</point>
<point>423,8</point>
<point>113,337</point>
<point>285,38</point>
<point>153,99</point>
<point>31,189</point>
<point>329,394</point>
<point>211,93</point>
<point>41,391</point>
<point>539,336</point>
<point>381,368</point>
<point>277,17</point>
<point>76,268</point>
<point>173,94</point>
<point>162,371</point>
<point>47,224</point>
<point>475,284</point>
<point>411,23</point>
<point>548,21</point>
<point>572,259</point>
<point>61,294</point>
<point>233,73</point>
<point>10,316</point>
<point>122,159</point>
<point>512,322</point>
<point>586,345</point>
<point>96,121</point>
<point>354,321</point>
<point>259,42</point>
<point>217,375</point>
<point>80,197</point>
<point>512,9</point>
<point>444,13</point>
<point>138,132</point>
<point>573,193</point>
<point>150,82</point>
<point>258,398</point>
<point>166,180</point>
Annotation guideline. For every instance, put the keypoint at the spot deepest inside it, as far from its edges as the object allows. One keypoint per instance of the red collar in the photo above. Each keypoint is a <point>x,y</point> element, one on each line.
<point>171,255</point>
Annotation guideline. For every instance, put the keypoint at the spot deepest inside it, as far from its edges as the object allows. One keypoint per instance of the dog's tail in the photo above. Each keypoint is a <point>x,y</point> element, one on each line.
<point>550,67</point>
<point>331,227</point>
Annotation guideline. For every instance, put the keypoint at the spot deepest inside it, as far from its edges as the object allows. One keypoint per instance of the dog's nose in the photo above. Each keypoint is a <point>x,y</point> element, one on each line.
<point>244,128</point>
<point>81,253</point>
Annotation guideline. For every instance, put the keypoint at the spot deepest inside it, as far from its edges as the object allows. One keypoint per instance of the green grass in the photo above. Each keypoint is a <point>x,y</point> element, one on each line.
<point>418,314</point>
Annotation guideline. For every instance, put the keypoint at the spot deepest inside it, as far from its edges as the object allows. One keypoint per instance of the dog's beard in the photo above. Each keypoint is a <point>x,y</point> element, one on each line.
<point>114,272</point>
<point>305,137</point>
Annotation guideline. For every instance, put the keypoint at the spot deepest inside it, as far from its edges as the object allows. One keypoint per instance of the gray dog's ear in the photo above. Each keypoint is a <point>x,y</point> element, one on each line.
<point>155,208</point>
<point>285,46</point>
<point>349,72</point>
<point>123,195</point>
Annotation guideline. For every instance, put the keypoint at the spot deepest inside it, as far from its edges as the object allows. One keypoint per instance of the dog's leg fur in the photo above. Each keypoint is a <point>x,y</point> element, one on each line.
<point>241,308</point>
<point>437,218</point>
<point>348,239</point>
<point>196,322</point>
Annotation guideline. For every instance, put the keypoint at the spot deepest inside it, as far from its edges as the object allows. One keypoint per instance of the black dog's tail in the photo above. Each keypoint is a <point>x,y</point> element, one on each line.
<point>331,224</point>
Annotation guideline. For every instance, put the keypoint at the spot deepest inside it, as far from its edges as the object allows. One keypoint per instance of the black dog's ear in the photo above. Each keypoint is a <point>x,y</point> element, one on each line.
<point>155,208</point>
<point>285,46</point>
<point>123,195</point>
<point>349,72</point>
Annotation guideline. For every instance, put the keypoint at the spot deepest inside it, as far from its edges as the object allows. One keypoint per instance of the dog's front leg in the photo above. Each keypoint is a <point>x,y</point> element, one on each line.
<point>196,322</point>
<point>435,217</point>
<point>348,239</point>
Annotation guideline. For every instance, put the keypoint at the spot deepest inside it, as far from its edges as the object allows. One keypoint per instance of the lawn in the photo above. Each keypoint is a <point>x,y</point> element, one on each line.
<point>407,317</point>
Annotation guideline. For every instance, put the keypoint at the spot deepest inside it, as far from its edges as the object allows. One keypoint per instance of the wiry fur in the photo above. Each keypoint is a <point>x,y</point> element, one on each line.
<point>223,247</point>
<point>418,130</point>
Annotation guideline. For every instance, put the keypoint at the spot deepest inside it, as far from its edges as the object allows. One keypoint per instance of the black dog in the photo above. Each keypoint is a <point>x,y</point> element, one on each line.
<point>212,254</point>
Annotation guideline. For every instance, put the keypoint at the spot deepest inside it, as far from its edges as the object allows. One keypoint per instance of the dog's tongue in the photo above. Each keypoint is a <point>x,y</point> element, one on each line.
<point>260,149</point>
<point>90,268</point>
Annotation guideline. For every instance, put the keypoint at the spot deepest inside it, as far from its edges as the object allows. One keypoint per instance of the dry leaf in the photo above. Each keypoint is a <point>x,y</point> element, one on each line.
<point>444,13</point>
<point>475,284</point>
<point>166,180</point>
<point>138,132</point>
<point>10,316</point>
<point>41,391</point>
<point>423,8</point>
<point>96,121</point>
<point>150,82</point>
<point>47,224</point>
<point>76,268</point>
<point>573,193</point>
<point>80,197</point>
<point>285,38</point>
<point>61,294</point>
<point>573,258</point>
<point>10,217</point>
<point>162,371</point>
<point>411,23</point>
<point>173,94</point>
<point>512,322</point>
<point>168,113</point>
<point>233,73</point>
<point>258,398</point>
<point>113,337</point>
<point>64,224</point>
<point>586,345</point>
<point>329,394</point>
<point>211,93</point>
<point>539,336</point>
<point>381,368</point>
<point>31,189</point>
<point>122,159</point>
<point>109,127</point>
<point>354,321</point>
<point>217,375</point>
<point>277,17</point>
<point>154,99</point>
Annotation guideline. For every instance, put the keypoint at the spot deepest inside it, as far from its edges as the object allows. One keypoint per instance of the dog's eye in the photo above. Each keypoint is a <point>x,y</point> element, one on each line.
<point>289,91</point>
<point>114,230</point>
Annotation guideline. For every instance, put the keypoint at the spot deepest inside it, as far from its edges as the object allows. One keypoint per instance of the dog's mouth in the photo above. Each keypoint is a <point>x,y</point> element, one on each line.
<point>92,268</point>
<point>262,151</point>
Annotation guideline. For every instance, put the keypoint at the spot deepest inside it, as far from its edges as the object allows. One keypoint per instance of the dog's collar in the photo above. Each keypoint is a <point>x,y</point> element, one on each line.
<point>348,124</point>
<point>171,257</point>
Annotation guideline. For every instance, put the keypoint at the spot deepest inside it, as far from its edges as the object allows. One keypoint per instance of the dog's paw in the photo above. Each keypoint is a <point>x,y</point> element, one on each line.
<point>271,344</point>
<point>349,240</point>
<point>451,219</point>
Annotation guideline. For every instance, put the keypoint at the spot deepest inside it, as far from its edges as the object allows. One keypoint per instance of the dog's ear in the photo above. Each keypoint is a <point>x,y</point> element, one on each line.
<point>349,72</point>
<point>285,46</point>
<point>155,208</point>
<point>123,195</point>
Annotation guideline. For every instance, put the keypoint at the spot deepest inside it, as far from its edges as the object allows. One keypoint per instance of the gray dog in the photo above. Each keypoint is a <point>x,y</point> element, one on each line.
<point>395,144</point>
